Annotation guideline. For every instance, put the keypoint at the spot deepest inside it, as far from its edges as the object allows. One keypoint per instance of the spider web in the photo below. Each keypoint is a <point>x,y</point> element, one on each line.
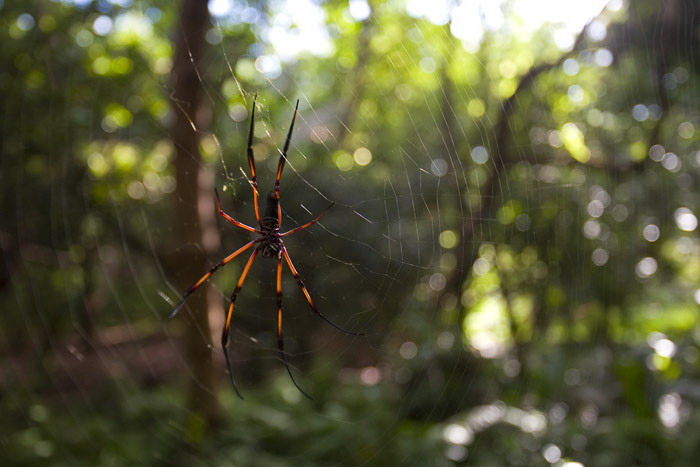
<point>378,263</point>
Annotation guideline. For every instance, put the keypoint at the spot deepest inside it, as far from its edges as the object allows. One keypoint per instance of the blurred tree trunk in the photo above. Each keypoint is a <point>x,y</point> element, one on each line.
<point>194,211</point>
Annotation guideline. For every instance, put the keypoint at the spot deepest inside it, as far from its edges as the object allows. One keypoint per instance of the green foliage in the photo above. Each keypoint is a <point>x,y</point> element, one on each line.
<point>515,231</point>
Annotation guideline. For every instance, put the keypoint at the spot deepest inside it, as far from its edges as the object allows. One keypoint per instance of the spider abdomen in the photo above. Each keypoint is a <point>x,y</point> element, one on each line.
<point>270,244</point>
<point>270,248</point>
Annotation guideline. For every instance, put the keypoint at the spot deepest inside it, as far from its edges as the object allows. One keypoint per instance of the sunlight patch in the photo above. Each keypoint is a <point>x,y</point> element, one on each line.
<point>299,26</point>
<point>486,328</point>
<point>685,219</point>
<point>359,10</point>
<point>574,142</point>
<point>362,156</point>
<point>132,28</point>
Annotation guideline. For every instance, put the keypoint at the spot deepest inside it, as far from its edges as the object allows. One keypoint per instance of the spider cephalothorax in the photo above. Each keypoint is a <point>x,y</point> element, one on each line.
<point>269,244</point>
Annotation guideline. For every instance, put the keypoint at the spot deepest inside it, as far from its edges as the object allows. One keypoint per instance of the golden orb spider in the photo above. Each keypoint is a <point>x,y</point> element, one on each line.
<point>270,245</point>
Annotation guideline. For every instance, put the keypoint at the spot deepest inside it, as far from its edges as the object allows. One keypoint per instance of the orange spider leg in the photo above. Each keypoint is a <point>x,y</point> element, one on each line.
<point>229,315</point>
<point>308,224</point>
<point>283,159</point>
<point>206,276</point>
<point>231,219</point>
<point>251,160</point>
<point>280,339</point>
<point>308,296</point>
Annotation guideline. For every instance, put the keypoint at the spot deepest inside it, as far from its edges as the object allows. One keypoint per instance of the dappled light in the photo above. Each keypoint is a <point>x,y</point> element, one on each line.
<point>495,215</point>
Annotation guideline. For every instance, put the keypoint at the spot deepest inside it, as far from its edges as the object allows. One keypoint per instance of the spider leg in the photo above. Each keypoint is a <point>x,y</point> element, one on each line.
<point>231,219</point>
<point>229,314</point>
<point>308,224</point>
<point>308,296</point>
<point>280,165</point>
<point>280,340</point>
<point>283,158</point>
<point>206,276</point>
<point>283,154</point>
<point>251,160</point>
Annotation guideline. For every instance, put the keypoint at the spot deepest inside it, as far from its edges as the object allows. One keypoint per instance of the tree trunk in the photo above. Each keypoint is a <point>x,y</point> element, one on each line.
<point>194,210</point>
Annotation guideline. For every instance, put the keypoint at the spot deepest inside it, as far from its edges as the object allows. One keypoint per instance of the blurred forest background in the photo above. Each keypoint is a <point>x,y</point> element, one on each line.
<point>515,232</point>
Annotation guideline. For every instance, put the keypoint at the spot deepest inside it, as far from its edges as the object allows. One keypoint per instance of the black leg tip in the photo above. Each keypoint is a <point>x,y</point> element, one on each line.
<point>176,310</point>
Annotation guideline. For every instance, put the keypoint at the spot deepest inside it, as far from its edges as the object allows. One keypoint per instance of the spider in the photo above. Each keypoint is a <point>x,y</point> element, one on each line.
<point>269,244</point>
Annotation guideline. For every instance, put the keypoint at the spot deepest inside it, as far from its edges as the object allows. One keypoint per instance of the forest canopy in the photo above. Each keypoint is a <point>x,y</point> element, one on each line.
<point>512,243</point>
